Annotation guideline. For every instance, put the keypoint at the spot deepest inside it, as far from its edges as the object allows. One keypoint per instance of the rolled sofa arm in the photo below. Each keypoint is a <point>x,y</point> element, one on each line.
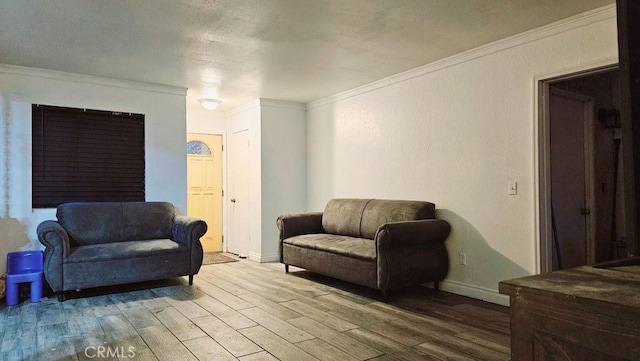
<point>412,233</point>
<point>291,225</point>
<point>56,240</point>
<point>411,252</point>
<point>187,231</point>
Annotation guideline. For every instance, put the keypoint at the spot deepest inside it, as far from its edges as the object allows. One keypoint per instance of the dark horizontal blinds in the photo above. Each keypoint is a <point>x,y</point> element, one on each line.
<point>87,155</point>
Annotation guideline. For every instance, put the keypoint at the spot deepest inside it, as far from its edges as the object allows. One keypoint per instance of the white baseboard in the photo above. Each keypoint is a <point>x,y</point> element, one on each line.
<point>261,258</point>
<point>480,293</point>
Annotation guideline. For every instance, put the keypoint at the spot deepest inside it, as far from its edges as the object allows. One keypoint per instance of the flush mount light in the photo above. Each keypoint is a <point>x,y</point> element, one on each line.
<point>210,103</point>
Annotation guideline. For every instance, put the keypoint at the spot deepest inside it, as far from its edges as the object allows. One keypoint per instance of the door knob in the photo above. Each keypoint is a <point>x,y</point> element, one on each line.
<point>233,200</point>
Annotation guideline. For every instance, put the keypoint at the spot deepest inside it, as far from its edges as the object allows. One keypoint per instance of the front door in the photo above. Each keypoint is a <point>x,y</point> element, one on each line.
<point>204,186</point>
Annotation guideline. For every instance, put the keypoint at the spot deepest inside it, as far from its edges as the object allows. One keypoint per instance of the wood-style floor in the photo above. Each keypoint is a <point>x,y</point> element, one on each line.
<point>250,311</point>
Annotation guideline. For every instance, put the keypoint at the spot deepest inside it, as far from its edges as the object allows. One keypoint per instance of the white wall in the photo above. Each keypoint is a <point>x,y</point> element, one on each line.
<point>277,168</point>
<point>200,120</point>
<point>165,134</point>
<point>283,153</point>
<point>454,133</point>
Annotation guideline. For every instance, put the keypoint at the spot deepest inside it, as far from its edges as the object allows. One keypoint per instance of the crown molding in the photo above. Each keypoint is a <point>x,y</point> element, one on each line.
<point>558,27</point>
<point>91,79</point>
<point>242,108</point>
<point>264,102</point>
<point>274,103</point>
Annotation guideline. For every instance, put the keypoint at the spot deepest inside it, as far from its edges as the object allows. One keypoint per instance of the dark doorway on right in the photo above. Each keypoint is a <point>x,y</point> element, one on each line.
<point>588,194</point>
<point>609,214</point>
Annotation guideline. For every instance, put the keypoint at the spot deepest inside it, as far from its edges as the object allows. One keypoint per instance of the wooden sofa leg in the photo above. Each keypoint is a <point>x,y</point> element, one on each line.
<point>61,296</point>
<point>286,268</point>
<point>190,280</point>
<point>436,285</point>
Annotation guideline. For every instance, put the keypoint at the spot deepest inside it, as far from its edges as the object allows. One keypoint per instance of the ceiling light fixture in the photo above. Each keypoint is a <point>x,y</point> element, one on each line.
<point>210,103</point>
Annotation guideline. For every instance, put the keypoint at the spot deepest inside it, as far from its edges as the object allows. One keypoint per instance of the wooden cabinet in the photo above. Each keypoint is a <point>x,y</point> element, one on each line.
<point>581,314</point>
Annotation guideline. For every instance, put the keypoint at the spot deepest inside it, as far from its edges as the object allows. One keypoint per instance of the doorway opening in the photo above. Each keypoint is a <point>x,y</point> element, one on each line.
<point>582,194</point>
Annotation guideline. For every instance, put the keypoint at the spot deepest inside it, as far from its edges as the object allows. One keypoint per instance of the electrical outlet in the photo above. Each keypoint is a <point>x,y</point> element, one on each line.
<point>462,257</point>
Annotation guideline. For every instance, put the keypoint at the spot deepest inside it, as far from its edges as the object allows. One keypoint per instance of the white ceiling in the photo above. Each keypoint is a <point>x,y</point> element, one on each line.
<point>240,50</point>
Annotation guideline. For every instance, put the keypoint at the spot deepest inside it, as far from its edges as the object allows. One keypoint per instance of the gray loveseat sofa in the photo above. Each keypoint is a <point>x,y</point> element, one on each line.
<point>383,244</point>
<point>110,243</point>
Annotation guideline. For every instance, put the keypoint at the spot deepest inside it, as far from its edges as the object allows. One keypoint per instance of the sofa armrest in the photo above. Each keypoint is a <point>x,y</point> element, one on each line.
<point>291,225</point>
<point>411,233</point>
<point>57,248</point>
<point>411,252</point>
<point>186,229</point>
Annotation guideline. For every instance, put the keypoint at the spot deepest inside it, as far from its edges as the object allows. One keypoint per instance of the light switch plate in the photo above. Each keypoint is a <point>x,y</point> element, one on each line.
<point>513,188</point>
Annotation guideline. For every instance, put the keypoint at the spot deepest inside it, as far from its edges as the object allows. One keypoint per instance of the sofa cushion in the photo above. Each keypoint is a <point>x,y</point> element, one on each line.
<point>91,223</point>
<point>343,245</point>
<point>104,222</point>
<point>380,211</point>
<point>124,250</point>
<point>147,220</point>
<point>343,216</point>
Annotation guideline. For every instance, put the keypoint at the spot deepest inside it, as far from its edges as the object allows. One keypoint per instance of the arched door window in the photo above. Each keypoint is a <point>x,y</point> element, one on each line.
<point>198,147</point>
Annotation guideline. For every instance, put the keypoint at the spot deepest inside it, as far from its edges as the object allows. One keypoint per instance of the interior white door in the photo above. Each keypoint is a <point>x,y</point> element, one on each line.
<point>569,131</point>
<point>239,199</point>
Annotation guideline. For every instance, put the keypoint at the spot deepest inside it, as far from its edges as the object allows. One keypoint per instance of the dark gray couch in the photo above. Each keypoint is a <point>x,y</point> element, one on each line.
<point>383,244</point>
<point>109,243</point>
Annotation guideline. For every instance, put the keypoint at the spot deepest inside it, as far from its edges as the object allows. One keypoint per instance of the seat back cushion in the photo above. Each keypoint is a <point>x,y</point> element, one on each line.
<point>379,211</point>
<point>343,215</point>
<point>147,220</point>
<point>104,222</point>
<point>91,223</point>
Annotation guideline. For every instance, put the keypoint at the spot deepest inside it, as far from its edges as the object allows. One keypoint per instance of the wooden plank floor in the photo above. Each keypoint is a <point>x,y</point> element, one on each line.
<point>250,311</point>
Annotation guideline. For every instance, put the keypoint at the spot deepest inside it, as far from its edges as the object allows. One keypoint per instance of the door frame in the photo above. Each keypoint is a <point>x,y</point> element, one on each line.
<point>543,165</point>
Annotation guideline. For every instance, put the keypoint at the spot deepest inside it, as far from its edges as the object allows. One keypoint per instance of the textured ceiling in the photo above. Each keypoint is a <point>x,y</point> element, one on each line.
<point>239,50</point>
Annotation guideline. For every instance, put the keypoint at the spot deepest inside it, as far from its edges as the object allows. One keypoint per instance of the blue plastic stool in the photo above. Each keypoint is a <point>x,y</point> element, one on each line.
<point>24,267</point>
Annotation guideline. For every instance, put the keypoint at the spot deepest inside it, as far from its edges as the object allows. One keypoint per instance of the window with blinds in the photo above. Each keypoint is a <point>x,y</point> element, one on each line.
<point>82,155</point>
